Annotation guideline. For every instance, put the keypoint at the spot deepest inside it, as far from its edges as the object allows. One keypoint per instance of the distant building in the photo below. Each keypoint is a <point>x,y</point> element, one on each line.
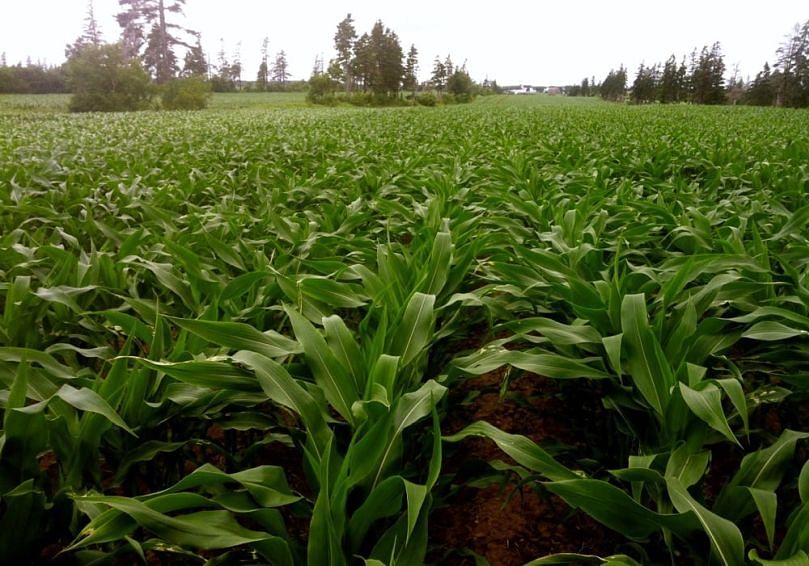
<point>553,90</point>
<point>522,89</point>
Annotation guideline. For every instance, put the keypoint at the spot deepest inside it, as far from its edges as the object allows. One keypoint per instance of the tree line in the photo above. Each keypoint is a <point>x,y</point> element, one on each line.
<point>372,68</point>
<point>700,79</point>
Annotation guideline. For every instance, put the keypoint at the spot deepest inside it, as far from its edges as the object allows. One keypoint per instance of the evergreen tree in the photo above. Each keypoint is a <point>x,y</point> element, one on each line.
<point>644,88</point>
<point>223,79</point>
<point>362,62</point>
<point>668,91</point>
<point>411,70</point>
<point>263,76</point>
<point>761,91</point>
<point>792,84</point>
<point>157,48</point>
<point>91,34</point>
<point>708,82</point>
<point>439,76</point>
<point>195,63</point>
<point>614,86</point>
<point>344,43</point>
<point>377,64</point>
<point>280,69</point>
<point>449,69</point>
<point>584,89</point>
<point>236,67</point>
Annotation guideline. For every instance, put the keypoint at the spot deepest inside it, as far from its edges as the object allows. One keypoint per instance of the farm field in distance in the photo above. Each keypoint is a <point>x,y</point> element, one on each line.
<point>525,327</point>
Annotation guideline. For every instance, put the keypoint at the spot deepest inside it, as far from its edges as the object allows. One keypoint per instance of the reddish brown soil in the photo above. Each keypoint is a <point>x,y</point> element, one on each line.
<point>508,524</point>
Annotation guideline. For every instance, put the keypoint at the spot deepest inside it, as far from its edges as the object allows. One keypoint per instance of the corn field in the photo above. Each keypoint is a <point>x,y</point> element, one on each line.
<point>254,335</point>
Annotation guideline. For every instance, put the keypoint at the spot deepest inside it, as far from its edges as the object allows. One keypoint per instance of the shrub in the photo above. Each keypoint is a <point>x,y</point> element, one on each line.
<point>461,86</point>
<point>426,99</point>
<point>190,93</point>
<point>321,90</point>
<point>102,80</point>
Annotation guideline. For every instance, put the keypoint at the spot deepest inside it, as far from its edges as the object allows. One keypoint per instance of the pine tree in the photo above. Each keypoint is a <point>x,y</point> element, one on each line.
<point>614,86</point>
<point>195,63</point>
<point>280,69</point>
<point>644,88</point>
<point>157,48</point>
<point>761,91</point>
<point>236,67</point>
<point>708,76</point>
<point>344,43</point>
<point>263,76</point>
<point>669,82</point>
<point>449,69</point>
<point>91,34</point>
<point>792,84</point>
<point>411,70</point>
<point>439,76</point>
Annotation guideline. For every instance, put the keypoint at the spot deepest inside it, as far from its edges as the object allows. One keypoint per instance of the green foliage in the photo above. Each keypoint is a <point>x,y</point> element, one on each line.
<point>461,86</point>
<point>185,94</point>
<point>102,80</point>
<point>426,99</point>
<point>614,85</point>
<point>321,90</point>
<point>207,354</point>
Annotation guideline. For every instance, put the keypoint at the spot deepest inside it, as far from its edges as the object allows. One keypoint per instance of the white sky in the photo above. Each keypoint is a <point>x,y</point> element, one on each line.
<point>512,41</point>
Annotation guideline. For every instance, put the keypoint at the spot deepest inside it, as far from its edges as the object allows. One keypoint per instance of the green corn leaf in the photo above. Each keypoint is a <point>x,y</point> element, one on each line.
<point>725,538</point>
<point>439,264</point>
<point>647,364</point>
<point>762,470</point>
<point>771,331</point>
<point>615,509</point>
<point>767,504</point>
<point>796,223</point>
<point>800,558</point>
<point>204,373</point>
<point>239,336</point>
<point>687,466</point>
<point>415,331</point>
<point>521,449</point>
<point>345,349</point>
<point>267,485</point>
<point>735,392</point>
<point>411,408</point>
<point>583,559</point>
<point>612,345</point>
<point>706,404</point>
<point>558,333</point>
<point>803,483</point>
<point>46,361</point>
<point>384,500</point>
<point>145,452</point>
<point>548,365</point>
<point>765,468</point>
<point>764,312</point>
<point>333,293</point>
<point>241,284</point>
<point>205,530</point>
<point>64,295</point>
<point>796,538</point>
<point>281,388</point>
<point>339,387</point>
<point>84,400</point>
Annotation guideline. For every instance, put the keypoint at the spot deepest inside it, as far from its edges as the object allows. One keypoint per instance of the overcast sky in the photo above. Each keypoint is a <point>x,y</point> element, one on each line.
<point>512,41</point>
